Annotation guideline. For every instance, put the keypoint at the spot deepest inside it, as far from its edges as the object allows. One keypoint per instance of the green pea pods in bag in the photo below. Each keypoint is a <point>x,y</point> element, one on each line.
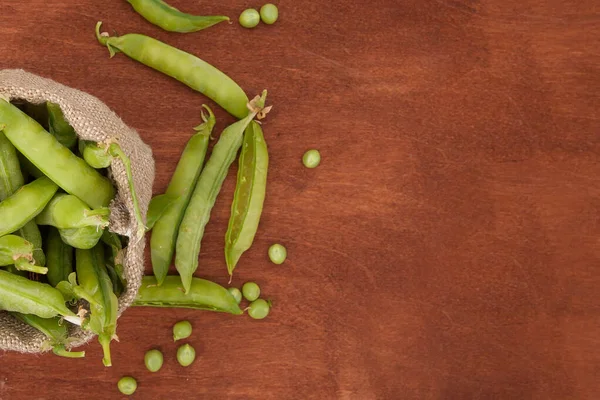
<point>41,146</point>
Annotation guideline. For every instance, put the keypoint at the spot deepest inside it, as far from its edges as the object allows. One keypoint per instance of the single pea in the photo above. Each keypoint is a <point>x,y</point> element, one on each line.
<point>311,159</point>
<point>269,13</point>
<point>237,295</point>
<point>186,355</point>
<point>249,18</point>
<point>153,360</point>
<point>277,253</point>
<point>258,309</point>
<point>182,330</point>
<point>251,291</point>
<point>127,385</point>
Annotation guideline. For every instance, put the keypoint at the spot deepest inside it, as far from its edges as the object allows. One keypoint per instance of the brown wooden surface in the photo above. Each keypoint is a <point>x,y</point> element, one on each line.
<point>446,248</point>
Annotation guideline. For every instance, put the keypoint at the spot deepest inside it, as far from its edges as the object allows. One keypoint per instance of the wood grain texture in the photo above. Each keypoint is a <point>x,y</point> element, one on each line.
<point>446,248</point>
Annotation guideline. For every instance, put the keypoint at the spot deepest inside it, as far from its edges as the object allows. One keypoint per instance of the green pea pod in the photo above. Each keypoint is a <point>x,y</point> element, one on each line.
<point>56,161</point>
<point>157,207</point>
<point>18,251</point>
<point>94,279</point>
<point>55,331</point>
<point>59,127</point>
<point>164,233</point>
<point>28,169</point>
<point>59,258</point>
<point>23,205</point>
<point>11,179</point>
<point>10,170</point>
<point>96,156</point>
<point>81,238</point>
<point>66,211</point>
<point>205,193</point>
<point>186,68</point>
<point>203,295</point>
<point>113,261</point>
<point>249,195</point>
<point>21,295</point>
<point>171,19</point>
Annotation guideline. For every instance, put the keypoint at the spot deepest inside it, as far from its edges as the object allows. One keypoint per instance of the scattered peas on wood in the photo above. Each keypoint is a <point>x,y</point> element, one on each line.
<point>127,385</point>
<point>251,291</point>
<point>153,360</point>
<point>186,355</point>
<point>311,159</point>
<point>259,309</point>
<point>182,330</point>
<point>269,13</point>
<point>249,18</point>
<point>277,253</point>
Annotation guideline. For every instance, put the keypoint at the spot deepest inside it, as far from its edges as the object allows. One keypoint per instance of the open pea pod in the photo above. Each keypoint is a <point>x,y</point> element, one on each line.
<point>22,295</point>
<point>55,331</point>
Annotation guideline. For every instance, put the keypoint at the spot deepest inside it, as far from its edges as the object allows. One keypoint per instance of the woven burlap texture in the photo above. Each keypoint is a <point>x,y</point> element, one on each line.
<point>92,120</point>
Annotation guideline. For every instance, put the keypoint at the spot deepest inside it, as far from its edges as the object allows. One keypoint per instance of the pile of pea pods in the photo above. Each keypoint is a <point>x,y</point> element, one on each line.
<point>59,260</point>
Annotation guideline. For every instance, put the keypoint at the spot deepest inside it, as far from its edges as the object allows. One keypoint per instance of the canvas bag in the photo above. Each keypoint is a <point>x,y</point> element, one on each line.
<point>92,120</point>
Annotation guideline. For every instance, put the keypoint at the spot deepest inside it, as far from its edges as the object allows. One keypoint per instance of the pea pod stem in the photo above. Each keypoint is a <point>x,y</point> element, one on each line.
<point>171,19</point>
<point>184,67</point>
<point>207,188</point>
<point>183,181</point>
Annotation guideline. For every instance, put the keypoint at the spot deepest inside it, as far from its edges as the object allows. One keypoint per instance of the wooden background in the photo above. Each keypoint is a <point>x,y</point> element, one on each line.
<point>446,248</point>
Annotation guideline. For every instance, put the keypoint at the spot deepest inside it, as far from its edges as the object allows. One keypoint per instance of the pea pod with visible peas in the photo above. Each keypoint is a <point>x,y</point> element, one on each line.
<point>18,251</point>
<point>55,331</point>
<point>164,232</point>
<point>21,295</point>
<point>203,295</point>
<point>205,193</point>
<point>249,195</point>
<point>56,161</point>
<point>171,19</point>
<point>186,68</point>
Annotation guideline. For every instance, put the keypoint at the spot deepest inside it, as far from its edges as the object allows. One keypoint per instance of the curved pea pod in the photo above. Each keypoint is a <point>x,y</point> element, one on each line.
<point>171,19</point>
<point>21,295</point>
<point>18,251</point>
<point>10,170</point>
<point>186,68</point>
<point>177,197</point>
<point>249,195</point>
<point>59,258</point>
<point>59,127</point>
<point>205,193</point>
<point>203,295</point>
<point>81,238</point>
<point>56,333</point>
<point>23,205</point>
<point>66,211</point>
<point>94,280</point>
<point>56,161</point>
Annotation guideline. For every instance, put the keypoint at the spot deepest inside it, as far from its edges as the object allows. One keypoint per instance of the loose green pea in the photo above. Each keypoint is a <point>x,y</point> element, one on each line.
<point>251,291</point>
<point>259,309</point>
<point>186,355</point>
<point>249,18</point>
<point>311,159</point>
<point>182,330</point>
<point>127,385</point>
<point>269,13</point>
<point>277,254</point>
<point>237,295</point>
<point>153,360</point>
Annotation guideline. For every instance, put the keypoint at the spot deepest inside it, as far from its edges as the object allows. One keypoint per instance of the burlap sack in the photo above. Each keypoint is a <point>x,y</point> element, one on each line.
<point>92,120</point>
